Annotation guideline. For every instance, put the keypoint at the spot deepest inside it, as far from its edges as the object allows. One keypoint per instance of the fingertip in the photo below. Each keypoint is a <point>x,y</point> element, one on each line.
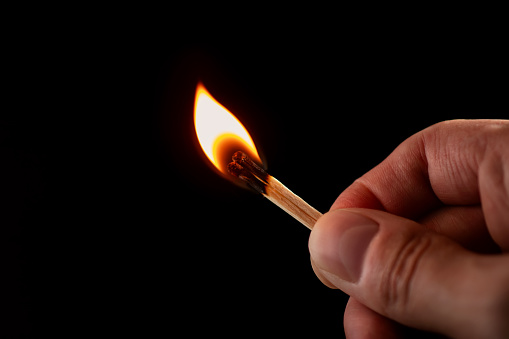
<point>338,244</point>
<point>321,276</point>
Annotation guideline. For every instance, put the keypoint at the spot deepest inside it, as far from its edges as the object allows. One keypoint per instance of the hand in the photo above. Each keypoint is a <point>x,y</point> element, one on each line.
<point>422,239</point>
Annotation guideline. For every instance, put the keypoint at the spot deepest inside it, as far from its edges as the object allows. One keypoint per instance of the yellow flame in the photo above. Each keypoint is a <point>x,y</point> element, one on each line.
<point>215,126</point>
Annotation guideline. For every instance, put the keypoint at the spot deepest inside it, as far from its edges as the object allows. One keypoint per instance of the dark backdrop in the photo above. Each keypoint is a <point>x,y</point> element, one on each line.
<point>113,223</point>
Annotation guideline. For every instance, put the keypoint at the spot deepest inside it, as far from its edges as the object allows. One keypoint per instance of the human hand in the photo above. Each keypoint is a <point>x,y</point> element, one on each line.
<point>423,238</point>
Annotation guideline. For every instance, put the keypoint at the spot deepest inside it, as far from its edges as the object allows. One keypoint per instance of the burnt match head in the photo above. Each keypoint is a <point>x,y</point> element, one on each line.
<point>235,169</point>
<point>245,169</point>
<point>239,156</point>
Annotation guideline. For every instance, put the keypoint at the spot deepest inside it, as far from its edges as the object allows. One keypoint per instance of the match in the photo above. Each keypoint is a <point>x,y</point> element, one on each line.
<point>256,177</point>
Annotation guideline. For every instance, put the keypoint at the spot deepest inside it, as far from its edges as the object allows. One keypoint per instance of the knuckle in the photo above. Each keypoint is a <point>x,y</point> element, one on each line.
<point>398,279</point>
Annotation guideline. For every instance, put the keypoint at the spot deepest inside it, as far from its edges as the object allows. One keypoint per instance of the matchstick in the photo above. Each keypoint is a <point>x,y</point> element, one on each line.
<point>245,169</point>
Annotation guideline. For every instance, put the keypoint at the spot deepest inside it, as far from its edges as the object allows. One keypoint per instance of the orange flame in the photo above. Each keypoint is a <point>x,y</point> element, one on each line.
<point>219,132</point>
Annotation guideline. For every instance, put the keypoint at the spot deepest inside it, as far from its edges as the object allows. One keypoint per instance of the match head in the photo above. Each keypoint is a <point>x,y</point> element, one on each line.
<point>245,169</point>
<point>239,156</point>
<point>235,169</point>
<point>242,159</point>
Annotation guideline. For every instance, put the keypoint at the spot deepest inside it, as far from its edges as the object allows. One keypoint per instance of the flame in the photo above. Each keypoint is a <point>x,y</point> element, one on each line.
<point>219,132</point>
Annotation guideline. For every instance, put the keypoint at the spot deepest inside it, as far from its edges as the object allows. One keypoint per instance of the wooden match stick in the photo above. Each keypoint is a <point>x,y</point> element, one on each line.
<point>245,169</point>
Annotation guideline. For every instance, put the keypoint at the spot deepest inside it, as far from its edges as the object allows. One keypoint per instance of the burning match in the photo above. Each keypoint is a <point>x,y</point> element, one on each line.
<point>219,133</point>
<point>247,170</point>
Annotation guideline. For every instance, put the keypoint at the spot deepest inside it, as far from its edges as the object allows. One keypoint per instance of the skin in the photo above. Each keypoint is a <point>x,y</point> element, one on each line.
<point>437,213</point>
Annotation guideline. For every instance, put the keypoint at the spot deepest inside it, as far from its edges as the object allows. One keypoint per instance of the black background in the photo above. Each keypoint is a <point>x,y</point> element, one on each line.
<point>112,221</point>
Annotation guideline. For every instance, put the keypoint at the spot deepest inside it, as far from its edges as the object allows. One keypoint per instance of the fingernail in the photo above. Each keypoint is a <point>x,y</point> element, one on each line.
<point>339,241</point>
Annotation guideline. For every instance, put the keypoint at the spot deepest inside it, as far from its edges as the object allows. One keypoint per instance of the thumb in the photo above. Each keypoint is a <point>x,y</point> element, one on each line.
<point>407,273</point>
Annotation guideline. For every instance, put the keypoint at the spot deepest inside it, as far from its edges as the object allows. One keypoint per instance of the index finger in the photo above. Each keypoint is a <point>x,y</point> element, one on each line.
<point>437,166</point>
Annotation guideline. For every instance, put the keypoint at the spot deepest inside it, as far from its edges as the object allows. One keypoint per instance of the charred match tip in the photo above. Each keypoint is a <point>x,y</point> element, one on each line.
<point>254,176</point>
<point>245,175</point>
<point>242,159</point>
<point>239,156</point>
<point>245,169</point>
<point>235,169</point>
